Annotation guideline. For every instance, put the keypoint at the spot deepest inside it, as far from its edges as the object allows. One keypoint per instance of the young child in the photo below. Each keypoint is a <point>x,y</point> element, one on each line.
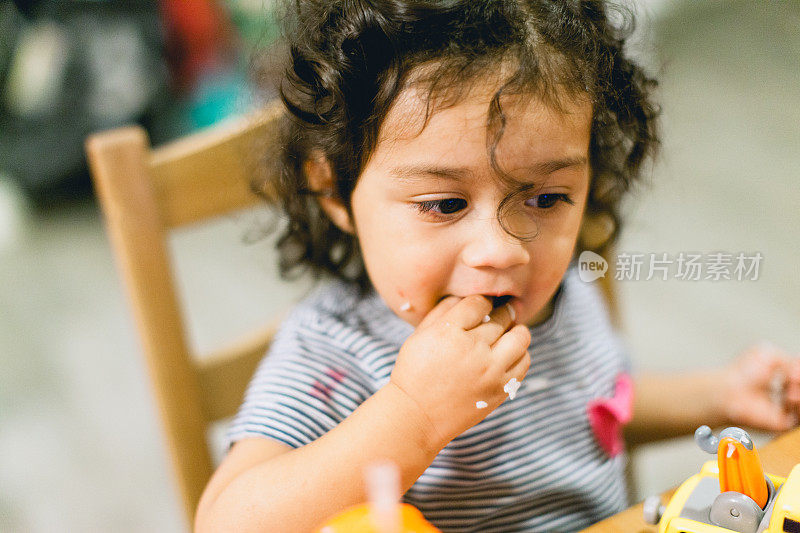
<point>443,162</point>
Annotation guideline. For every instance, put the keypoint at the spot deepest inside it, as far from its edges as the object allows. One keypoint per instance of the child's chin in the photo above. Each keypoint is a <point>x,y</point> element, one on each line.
<point>541,316</point>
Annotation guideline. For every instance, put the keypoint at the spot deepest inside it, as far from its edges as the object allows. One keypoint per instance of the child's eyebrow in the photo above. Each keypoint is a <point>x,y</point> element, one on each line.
<point>420,171</point>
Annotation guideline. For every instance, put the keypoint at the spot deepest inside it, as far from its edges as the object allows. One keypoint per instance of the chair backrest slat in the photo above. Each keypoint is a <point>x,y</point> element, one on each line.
<point>209,173</point>
<point>224,375</point>
<point>119,166</point>
<point>143,194</point>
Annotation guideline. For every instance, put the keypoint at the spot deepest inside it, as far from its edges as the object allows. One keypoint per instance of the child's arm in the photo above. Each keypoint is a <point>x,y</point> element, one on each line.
<point>760,389</point>
<point>671,405</point>
<point>297,489</point>
<point>454,359</point>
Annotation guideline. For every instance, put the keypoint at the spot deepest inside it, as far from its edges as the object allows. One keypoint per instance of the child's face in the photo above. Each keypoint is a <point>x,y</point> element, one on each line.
<point>453,244</point>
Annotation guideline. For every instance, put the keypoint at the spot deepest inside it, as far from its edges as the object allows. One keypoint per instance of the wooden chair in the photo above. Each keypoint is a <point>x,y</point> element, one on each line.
<point>145,193</point>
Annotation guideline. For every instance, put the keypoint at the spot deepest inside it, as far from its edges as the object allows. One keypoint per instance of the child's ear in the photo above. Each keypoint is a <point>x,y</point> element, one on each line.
<point>320,178</point>
<point>595,230</point>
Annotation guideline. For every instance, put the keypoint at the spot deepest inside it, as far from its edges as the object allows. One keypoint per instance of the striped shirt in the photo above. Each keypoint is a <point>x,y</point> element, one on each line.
<point>533,464</point>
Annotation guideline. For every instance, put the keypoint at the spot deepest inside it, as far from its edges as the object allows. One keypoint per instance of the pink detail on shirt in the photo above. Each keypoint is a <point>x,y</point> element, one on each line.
<point>322,391</point>
<point>607,416</point>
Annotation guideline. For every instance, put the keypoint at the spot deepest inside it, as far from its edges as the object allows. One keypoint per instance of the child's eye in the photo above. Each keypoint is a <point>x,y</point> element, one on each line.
<point>548,200</point>
<point>442,207</point>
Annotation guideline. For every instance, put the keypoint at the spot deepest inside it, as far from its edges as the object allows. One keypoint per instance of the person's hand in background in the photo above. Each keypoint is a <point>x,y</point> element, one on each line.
<point>760,389</point>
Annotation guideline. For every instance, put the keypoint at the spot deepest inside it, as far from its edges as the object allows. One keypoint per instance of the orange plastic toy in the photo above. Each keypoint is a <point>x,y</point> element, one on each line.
<point>740,470</point>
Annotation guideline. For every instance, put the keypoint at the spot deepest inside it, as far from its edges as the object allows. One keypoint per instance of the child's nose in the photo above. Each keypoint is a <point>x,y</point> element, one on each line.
<point>491,246</point>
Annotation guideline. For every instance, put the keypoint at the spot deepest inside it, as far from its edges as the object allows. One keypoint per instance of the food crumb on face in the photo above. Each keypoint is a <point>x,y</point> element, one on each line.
<point>406,306</point>
<point>481,404</point>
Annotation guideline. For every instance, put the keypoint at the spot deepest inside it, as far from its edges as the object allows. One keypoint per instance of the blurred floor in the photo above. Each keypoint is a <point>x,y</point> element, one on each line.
<point>80,448</point>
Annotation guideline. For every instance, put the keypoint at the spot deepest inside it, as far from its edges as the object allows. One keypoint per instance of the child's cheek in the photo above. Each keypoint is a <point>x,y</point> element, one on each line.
<point>412,313</point>
<point>418,289</point>
<point>405,307</point>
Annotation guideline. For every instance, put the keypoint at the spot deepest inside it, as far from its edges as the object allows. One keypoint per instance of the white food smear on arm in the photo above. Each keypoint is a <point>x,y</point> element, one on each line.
<point>481,405</point>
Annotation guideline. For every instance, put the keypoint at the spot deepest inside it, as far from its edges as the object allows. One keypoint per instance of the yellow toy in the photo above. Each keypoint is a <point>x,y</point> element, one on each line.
<point>730,494</point>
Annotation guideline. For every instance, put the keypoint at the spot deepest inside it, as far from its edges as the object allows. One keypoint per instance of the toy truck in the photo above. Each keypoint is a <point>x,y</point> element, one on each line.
<point>730,494</point>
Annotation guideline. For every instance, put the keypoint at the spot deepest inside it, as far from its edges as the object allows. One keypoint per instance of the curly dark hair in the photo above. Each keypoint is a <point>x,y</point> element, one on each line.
<point>349,59</point>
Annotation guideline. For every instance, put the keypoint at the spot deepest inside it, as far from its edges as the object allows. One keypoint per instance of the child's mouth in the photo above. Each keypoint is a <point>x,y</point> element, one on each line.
<point>497,301</point>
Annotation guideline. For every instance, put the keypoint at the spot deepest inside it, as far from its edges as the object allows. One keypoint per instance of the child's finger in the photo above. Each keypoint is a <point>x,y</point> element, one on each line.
<point>792,390</point>
<point>499,321</point>
<point>512,345</point>
<point>766,415</point>
<point>469,312</point>
<point>439,310</point>
<point>519,369</point>
<point>793,378</point>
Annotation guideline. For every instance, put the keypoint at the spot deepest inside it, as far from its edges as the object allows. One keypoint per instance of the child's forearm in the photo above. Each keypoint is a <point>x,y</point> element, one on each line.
<point>670,405</point>
<point>298,490</point>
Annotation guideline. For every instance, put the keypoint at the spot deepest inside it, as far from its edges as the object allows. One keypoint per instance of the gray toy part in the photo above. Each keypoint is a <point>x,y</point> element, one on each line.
<point>652,510</point>
<point>698,504</point>
<point>737,512</point>
<point>709,443</point>
<point>773,495</point>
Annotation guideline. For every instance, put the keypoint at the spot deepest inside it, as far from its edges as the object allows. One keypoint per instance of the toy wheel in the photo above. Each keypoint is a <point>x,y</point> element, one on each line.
<point>652,509</point>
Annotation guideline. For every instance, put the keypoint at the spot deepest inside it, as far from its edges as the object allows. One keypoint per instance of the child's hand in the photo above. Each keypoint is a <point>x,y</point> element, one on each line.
<point>761,389</point>
<point>454,359</point>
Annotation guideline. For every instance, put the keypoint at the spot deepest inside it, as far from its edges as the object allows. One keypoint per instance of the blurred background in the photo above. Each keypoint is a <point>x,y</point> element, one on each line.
<point>80,445</point>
